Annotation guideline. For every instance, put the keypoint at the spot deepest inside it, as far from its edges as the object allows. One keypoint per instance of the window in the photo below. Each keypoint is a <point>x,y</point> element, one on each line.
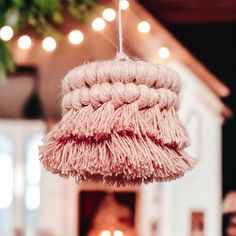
<point>32,182</point>
<point>6,183</point>
<point>20,175</point>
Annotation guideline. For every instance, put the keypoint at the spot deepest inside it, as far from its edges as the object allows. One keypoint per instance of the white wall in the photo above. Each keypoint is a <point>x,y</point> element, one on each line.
<point>200,189</point>
<point>148,210</point>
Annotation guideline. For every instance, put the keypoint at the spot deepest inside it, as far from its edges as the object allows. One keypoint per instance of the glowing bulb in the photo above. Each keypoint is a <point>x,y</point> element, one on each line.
<point>109,14</point>
<point>105,233</point>
<point>164,53</point>
<point>24,42</point>
<point>118,233</point>
<point>98,24</point>
<point>144,27</point>
<point>6,33</point>
<point>76,37</point>
<point>49,44</point>
<point>124,4</point>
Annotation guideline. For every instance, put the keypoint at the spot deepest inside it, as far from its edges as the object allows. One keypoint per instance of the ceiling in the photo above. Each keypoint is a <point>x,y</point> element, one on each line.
<point>192,11</point>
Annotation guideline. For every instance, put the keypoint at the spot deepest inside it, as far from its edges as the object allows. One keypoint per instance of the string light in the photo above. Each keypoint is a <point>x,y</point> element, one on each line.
<point>144,27</point>
<point>124,4</point>
<point>98,24</point>
<point>24,42</point>
<point>6,33</point>
<point>105,233</point>
<point>76,37</point>
<point>49,44</point>
<point>164,53</point>
<point>109,14</point>
<point>118,233</point>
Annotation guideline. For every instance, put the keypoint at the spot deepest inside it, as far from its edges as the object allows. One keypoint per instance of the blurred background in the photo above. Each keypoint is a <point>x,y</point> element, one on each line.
<point>40,40</point>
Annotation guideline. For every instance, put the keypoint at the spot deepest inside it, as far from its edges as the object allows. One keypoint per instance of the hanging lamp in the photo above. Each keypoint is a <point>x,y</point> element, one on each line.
<point>119,124</point>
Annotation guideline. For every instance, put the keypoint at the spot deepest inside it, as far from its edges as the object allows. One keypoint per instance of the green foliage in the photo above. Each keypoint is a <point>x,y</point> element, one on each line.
<point>79,9</point>
<point>43,16</point>
<point>6,61</point>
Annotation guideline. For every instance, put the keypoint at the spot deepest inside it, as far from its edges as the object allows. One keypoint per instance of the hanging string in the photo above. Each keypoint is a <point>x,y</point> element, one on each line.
<point>121,51</point>
<point>120,55</point>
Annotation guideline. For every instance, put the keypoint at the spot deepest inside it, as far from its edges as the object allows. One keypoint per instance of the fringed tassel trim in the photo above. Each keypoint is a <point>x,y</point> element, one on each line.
<point>120,160</point>
<point>162,125</point>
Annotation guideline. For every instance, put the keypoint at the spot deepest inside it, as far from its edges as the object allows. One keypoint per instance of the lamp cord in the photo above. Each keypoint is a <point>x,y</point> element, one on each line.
<point>120,55</point>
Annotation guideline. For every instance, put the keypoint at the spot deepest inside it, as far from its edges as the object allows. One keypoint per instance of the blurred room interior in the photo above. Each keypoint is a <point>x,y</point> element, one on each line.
<point>40,41</point>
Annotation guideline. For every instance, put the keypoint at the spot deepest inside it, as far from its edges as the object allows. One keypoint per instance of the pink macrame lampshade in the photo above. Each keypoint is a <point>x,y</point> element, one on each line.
<point>119,125</point>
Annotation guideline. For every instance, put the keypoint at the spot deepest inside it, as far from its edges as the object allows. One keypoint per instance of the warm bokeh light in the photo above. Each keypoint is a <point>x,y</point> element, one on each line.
<point>98,24</point>
<point>6,33</point>
<point>144,27</point>
<point>49,44</point>
<point>24,42</point>
<point>105,233</point>
<point>118,233</point>
<point>164,53</point>
<point>76,37</point>
<point>124,4</point>
<point>109,14</point>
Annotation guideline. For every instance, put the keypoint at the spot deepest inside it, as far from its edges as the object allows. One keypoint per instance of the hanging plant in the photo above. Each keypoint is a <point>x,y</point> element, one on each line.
<point>43,16</point>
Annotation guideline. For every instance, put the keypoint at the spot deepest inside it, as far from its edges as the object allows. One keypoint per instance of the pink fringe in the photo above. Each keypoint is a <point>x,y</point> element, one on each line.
<point>119,160</point>
<point>162,125</point>
<point>117,130</point>
<point>123,148</point>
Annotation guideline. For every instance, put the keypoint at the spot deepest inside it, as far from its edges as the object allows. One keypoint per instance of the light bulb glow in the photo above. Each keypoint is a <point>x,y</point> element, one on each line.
<point>6,33</point>
<point>76,37</point>
<point>24,42</point>
<point>98,24</point>
<point>105,233</point>
<point>164,53</point>
<point>118,233</point>
<point>109,14</point>
<point>124,4</point>
<point>49,44</point>
<point>144,27</point>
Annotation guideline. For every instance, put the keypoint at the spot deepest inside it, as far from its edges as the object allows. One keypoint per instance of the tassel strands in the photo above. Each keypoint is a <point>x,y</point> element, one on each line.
<point>119,125</point>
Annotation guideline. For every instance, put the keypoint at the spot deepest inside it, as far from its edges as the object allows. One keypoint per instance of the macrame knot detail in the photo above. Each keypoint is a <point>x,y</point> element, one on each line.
<point>119,94</point>
<point>119,125</point>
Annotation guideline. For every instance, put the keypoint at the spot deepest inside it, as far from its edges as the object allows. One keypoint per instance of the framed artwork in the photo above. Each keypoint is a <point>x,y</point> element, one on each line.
<point>197,223</point>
